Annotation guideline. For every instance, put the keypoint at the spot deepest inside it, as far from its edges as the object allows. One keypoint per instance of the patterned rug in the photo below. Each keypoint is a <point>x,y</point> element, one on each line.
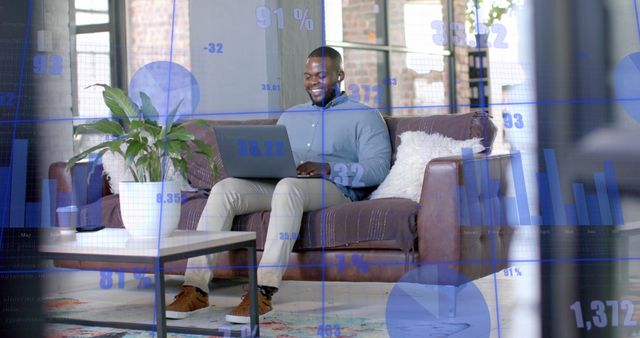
<point>350,309</point>
<point>281,324</point>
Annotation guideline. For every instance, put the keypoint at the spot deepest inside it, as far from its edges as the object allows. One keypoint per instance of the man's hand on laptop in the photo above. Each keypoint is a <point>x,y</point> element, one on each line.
<point>314,168</point>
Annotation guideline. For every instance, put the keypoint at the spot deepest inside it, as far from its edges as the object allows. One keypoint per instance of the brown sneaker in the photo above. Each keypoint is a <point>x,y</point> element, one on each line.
<point>240,315</point>
<point>186,303</point>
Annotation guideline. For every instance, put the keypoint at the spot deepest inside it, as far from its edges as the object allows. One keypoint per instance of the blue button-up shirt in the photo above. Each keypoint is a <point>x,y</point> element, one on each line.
<point>352,136</point>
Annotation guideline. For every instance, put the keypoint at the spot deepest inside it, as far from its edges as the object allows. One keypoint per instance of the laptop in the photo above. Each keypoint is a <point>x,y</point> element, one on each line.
<point>257,152</point>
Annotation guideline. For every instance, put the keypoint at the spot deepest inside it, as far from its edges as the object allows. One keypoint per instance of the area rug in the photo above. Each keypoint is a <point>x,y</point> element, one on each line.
<point>297,313</point>
<point>359,309</point>
<point>281,324</point>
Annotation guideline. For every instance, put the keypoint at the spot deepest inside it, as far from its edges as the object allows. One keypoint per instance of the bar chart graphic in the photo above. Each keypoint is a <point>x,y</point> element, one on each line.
<point>18,212</point>
<point>482,201</point>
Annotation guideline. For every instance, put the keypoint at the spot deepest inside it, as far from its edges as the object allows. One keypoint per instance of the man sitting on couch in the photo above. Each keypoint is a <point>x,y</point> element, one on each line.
<point>351,150</point>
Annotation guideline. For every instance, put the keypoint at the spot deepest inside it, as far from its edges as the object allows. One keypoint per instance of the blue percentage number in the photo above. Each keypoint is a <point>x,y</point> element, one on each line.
<point>389,81</point>
<point>270,87</point>
<point>342,177</point>
<point>43,64</point>
<point>171,198</point>
<point>144,282</point>
<point>357,260</point>
<point>264,17</point>
<point>329,330</point>
<point>285,236</point>
<point>440,36</point>
<point>509,121</point>
<point>252,148</point>
<point>215,48</point>
<point>106,279</point>
<point>377,91</point>
<point>512,272</point>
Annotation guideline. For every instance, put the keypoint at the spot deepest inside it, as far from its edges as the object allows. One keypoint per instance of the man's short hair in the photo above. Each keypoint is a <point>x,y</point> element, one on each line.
<point>327,52</point>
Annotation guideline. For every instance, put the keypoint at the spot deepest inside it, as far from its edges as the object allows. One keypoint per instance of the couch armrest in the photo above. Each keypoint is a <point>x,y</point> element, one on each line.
<point>441,236</point>
<point>86,191</point>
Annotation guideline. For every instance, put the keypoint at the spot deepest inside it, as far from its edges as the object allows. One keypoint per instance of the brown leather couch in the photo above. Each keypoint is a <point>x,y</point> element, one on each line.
<point>371,240</point>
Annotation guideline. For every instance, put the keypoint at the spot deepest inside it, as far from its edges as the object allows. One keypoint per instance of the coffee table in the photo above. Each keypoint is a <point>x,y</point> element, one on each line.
<point>115,245</point>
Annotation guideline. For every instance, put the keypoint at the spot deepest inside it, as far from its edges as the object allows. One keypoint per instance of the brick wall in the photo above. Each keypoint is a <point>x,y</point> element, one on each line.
<point>149,33</point>
<point>363,23</point>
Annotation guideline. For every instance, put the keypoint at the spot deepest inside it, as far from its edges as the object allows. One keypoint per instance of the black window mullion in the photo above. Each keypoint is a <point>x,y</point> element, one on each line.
<point>451,61</point>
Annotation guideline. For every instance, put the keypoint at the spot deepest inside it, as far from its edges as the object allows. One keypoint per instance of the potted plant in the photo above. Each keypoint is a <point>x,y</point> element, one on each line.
<point>149,205</point>
<point>496,11</point>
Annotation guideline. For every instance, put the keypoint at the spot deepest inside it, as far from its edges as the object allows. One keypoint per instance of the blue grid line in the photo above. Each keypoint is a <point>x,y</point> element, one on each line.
<point>164,164</point>
<point>380,264</point>
<point>635,7</point>
<point>322,198</point>
<point>537,103</point>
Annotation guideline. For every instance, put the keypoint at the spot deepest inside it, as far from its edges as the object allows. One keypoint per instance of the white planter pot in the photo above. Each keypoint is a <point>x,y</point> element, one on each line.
<point>149,210</point>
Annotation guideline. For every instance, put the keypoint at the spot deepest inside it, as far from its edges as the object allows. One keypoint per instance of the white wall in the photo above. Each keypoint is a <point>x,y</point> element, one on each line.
<point>52,97</point>
<point>230,83</point>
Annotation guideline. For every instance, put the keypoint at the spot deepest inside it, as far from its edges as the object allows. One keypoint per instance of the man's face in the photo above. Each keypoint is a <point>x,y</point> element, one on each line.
<point>322,84</point>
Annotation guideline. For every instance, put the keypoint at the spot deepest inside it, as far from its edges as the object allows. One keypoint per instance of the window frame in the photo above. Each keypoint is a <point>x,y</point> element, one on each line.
<point>116,27</point>
<point>388,48</point>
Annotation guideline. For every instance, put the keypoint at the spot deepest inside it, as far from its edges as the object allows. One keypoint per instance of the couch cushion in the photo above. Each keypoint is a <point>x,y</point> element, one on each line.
<point>392,220</point>
<point>458,127</point>
<point>199,174</point>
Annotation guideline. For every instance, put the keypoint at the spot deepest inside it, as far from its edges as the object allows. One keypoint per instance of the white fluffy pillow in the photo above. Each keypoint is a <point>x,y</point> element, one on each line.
<point>415,151</point>
<point>113,165</point>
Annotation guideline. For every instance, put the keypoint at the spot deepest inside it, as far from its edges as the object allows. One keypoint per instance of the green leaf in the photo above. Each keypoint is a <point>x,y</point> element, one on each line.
<point>172,115</point>
<point>149,112</point>
<point>152,129</point>
<point>118,102</point>
<point>115,145</point>
<point>143,161</point>
<point>202,123</point>
<point>104,126</point>
<point>180,133</point>
<point>181,166</point>
<point>75,159</point>
<point>173,147</point>
<point>133,150</point>
<point>204,148</point>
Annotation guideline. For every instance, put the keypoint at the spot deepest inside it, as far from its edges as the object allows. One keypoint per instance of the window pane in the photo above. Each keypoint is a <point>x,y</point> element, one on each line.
<point>91,18</point>
<point>421,84</point>
<point>93,5</point>
<point>90,12</point>
<point>93,42</point>
<point>361,21</point>
<point>364,71</point>
<point>94,66</point>
<point>417,24</point>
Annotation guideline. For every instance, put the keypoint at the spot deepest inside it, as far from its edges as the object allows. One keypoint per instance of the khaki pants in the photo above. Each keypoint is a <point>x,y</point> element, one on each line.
<point>287,200</point>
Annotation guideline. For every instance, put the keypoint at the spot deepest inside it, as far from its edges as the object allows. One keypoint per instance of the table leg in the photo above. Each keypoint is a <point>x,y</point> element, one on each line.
<point>253,290</point>
<point>161,320</point>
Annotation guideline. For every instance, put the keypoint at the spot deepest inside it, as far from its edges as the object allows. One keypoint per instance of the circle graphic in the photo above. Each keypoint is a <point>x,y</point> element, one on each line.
<point>626,81</point>
<point>420,305</point>
<point>166,84</point>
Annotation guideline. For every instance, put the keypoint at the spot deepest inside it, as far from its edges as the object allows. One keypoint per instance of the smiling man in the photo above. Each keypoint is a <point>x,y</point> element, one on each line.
<point>344,141</point>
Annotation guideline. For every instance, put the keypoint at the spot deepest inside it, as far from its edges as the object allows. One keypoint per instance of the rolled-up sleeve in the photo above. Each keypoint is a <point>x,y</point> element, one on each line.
<point>373,151</point>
